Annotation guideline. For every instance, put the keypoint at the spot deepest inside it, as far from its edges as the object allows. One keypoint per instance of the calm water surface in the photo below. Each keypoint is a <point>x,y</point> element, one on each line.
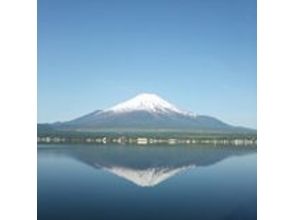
<point>112,182</point>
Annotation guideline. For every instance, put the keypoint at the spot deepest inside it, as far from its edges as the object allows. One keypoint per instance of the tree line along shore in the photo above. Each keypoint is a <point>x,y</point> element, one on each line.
<point>234,139</point>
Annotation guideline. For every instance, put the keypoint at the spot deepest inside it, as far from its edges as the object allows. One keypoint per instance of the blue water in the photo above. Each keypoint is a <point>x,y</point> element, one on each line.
<point>108,182</point>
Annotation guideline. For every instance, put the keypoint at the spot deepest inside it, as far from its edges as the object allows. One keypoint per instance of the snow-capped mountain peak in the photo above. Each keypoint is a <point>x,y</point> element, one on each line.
<point>146,102</point>
<point>149,177</point>
<point>146,112</point>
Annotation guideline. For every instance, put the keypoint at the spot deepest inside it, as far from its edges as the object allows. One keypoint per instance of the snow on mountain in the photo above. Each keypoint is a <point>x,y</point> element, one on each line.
<point>146,112</point>
<point>146,178</point>
<point>146,102</point>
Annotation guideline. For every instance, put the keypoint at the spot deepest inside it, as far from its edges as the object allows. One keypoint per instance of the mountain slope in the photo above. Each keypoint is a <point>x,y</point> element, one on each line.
<point>147,112</point>
<point>147,167</point>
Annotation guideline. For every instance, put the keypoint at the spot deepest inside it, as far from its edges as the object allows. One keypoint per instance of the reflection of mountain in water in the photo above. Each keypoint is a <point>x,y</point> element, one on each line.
<point>149,166</point>
<point>145,178</point>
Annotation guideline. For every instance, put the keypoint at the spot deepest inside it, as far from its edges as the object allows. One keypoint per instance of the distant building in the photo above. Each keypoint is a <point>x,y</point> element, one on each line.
<point>172,141</point>
<point>142,141</point>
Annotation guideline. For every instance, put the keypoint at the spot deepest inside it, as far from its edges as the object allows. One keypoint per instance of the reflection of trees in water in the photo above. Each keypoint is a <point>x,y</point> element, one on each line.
<point>139,157</point>
<point>148,165</point>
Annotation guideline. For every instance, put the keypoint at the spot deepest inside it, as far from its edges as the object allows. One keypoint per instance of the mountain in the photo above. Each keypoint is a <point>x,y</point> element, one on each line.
<point>150,166</point>
<point>147,112</point>
<point>146,178</point>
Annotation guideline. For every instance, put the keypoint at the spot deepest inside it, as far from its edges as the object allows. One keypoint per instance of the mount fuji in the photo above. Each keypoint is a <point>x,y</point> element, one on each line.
<point>147,112</point>
<point>150,166</point>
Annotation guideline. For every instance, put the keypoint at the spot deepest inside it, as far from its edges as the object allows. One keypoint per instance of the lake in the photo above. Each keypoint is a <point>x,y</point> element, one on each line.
<point>109,182</point>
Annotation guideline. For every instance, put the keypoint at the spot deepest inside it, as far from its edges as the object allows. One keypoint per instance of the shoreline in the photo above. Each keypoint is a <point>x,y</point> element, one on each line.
<point>141,140</point>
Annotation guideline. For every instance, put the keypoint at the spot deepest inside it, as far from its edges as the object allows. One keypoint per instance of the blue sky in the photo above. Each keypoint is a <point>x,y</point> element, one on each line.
<point>197,54</point>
